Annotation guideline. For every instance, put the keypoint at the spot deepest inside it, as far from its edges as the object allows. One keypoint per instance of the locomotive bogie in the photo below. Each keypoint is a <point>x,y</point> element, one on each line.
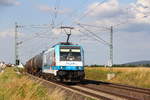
<point>70,76</point>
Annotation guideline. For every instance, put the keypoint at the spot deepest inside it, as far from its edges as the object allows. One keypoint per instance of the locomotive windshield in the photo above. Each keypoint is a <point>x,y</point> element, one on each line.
<point>70,54</point>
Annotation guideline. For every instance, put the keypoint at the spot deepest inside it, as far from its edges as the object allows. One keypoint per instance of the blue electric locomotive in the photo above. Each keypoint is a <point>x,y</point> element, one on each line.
<point>63,62</point>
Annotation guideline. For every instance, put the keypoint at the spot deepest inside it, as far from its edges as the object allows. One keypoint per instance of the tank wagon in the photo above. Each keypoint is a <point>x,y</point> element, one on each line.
<point>62,62</point>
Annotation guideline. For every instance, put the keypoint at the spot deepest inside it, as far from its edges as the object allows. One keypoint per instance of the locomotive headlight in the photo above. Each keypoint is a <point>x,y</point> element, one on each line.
<point>78,67</point>
<point>61,67</point>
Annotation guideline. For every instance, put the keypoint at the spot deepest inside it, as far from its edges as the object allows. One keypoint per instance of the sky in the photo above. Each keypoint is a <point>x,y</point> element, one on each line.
<point>41,21</point>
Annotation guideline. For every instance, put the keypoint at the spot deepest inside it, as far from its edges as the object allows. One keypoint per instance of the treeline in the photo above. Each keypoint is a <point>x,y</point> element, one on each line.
<point>120,65</point>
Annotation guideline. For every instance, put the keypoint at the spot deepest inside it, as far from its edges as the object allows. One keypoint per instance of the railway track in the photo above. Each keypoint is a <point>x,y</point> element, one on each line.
<point>100,90</point>
<point>129,92</point>
<point>121,86</point>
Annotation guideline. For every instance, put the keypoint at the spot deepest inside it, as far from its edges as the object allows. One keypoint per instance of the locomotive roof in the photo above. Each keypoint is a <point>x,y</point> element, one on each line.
<point>65,43</point>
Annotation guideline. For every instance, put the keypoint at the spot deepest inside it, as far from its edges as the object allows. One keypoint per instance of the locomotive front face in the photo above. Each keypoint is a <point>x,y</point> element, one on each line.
<point>70,62</point>
<point>70,57</point>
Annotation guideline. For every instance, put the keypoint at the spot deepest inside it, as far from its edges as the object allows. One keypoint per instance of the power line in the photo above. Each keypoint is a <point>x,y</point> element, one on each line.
<point>92,37</point>
<point>127,21</point>
<point>56,11</point>
<point>104,42</point>
<point>17,42</point>
<point>74,12</point>
<point>91,10</point>
<point>37,44</point>
<point>57,8</point>
<point>102,27</point>
<point>37,35</point>
<point>41,26</point>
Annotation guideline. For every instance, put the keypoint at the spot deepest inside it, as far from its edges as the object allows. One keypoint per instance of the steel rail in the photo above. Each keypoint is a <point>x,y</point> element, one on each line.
<point>121,86</point>
<point>123,96</point>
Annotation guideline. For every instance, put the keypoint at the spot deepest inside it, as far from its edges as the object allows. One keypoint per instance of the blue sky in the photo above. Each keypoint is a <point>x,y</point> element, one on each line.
<point>130,19</point>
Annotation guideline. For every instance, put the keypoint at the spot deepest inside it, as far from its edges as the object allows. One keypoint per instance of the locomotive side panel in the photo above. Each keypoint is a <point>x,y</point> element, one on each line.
<point>49,61</point>
<point>69,63</point>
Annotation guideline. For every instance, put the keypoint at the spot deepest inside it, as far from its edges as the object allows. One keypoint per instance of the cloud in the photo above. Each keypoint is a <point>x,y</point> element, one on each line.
<point>104,9</point>
<point>107,13</point>
<point>144,3</point>
<point>138,17</point>
<point>46,8</point>
<point>9,3</point>
<point>134,16</point>
<point>141,11</point>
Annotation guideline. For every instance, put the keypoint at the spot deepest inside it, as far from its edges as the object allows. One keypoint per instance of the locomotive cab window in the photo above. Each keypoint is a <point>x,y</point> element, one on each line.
<point>70,54</point>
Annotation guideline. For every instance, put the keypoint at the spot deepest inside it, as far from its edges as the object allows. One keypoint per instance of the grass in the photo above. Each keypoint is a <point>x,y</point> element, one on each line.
<point>139,76</point>
<point>15,86</point>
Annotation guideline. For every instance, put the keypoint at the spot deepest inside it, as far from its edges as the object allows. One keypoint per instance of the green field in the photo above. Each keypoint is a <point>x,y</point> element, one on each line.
<point>139,76</point>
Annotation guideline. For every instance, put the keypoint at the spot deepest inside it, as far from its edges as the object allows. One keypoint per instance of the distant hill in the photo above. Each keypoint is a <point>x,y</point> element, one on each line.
<point>144,62</point>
